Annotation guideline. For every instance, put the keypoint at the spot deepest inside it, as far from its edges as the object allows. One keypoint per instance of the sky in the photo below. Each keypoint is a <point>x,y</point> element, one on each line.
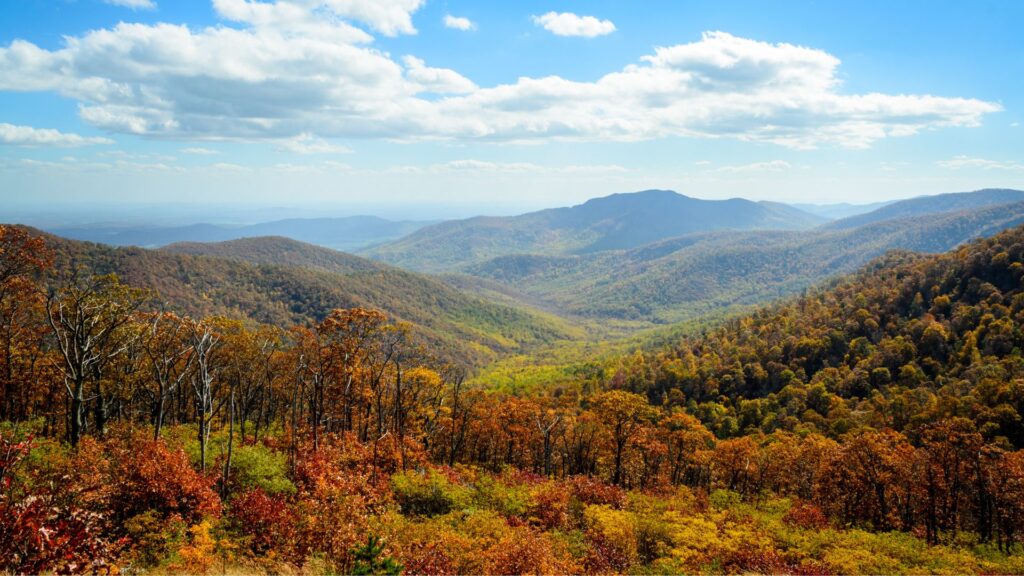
<point>447,108</point>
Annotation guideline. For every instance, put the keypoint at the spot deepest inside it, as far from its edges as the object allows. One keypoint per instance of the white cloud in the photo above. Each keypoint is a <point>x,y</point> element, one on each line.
<point>959,162</point>
<point>436,80</point>
<point>309,144</point>
<point>199,151</point>
<point>569,24</point>
<point>458,23</point>
<point>133,4</point>
<point>294,67</point>
<point>29,136</point>
<point>389,17</point>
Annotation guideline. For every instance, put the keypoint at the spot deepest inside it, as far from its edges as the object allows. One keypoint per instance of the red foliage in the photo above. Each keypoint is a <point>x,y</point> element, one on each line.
<point>148,475</point>
<point>604,557</point>
<point>549,508</point>
<point>37,532</point>
<point>806,515</point>
<point>427,558</point>
<point>592,491</point>
<point>267,520</point>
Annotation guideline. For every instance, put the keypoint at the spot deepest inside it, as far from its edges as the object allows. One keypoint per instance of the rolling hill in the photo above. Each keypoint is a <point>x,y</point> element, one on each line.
<point>616,222</point>
<point>348,233</point>
<point>193,280</point>
<point>935,204</point>
<point>681,278</point>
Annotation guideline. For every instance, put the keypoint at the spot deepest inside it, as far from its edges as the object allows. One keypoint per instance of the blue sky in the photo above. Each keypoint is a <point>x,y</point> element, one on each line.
<point>378,105</point>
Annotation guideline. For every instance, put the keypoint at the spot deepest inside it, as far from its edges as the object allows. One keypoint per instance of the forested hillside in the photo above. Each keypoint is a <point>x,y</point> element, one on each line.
<point>304,284</point>
<point>923,205</point>
<point>872,426</point>
<point>684,278</point>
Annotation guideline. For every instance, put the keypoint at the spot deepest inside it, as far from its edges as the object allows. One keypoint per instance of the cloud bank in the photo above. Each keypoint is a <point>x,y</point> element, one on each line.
<point>285,69</point>
<point>29,136</point>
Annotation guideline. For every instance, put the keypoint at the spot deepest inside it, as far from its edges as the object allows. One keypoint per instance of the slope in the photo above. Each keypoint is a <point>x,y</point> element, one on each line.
<point>932,205</point>
<point>682,278</point>
<point>452,322</point>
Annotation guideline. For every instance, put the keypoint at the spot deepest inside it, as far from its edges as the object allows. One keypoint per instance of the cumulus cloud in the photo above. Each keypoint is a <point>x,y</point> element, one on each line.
<point>458,23</point>
<point>959,162</point>
<point>294,68</point>
<point>133,4</point>
<point>29,136</point>
<point>569,24</point>
<point>436,80</point>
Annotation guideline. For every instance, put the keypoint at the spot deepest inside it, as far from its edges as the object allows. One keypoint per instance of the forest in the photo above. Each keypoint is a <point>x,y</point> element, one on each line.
<point>872,425</point>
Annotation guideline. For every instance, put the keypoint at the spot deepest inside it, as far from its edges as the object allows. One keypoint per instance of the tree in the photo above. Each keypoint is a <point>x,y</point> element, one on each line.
<point>370,559</point>
<point>204,342</point>
<point>22,256</point>
<point>622,413</point>
<point>90,322</point>
<point>170,354</point>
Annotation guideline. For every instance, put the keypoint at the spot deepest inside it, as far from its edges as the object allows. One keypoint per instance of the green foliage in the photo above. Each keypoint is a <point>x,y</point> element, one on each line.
<point>371,560</point>
<point>258,466</point>
<point>428,493</point>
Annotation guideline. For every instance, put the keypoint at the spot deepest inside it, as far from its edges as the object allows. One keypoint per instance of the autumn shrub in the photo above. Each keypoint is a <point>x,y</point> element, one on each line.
<point>590,491</point>
<point>428,493</point>
<point>40,532</point>
<point>428,557</point>
<point>257,466</point>
<point>153,538</point>
<point>333,507</point>
<point>267,522</point>
<point>806,515</point>
<point>613,532</point>
<point>509,500</point>
<point>548,506</point>
<point>147,475</point>
<point>523,551</point>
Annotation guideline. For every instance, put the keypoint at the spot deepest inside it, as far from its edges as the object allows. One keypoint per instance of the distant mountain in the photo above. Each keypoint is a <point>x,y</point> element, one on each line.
<point>277,250</point>
<point>285,282</point>
<point>348,233</point>
<point>931,205</point>
<point>682,278</point>
<point>839,210</point>
<point>615,222</point>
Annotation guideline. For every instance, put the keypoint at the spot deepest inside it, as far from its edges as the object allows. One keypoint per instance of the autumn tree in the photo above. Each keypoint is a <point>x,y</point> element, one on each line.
<point>90,323</point>
<point>622,413</point>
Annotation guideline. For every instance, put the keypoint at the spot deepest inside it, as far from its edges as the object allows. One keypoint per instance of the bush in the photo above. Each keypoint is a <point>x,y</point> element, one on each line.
<point>147,475</point>
<point>427,494</point>
<point>260,467</point>
<point>266,520</point>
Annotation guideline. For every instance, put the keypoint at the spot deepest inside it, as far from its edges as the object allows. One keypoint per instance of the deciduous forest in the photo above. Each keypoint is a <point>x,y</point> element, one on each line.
<point>872,425</point>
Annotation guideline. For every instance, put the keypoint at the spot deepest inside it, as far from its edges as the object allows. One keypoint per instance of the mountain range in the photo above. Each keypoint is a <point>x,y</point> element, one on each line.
<point>616,222</point>
<point>348,233</point>
<point>610,266</point>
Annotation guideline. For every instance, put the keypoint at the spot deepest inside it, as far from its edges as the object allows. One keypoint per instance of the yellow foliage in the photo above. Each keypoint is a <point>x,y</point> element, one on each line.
<point>618,527</point>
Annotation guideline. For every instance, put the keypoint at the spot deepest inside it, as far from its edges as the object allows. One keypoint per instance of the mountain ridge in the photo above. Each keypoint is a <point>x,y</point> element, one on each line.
<point>617,221</point>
